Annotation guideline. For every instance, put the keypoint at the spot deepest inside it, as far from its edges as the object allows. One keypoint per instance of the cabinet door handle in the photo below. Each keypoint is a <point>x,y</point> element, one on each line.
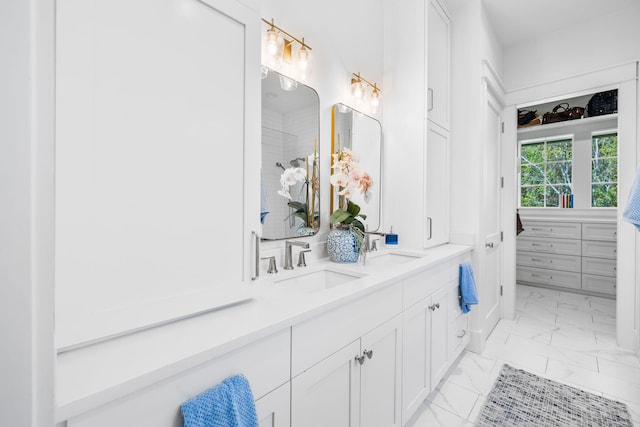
<point>368,353</point>
<point>543,245</point>
<point>256,255</point>
<point>435,306</point>
<point>488,245</point>
<point>429,99</point>
<point>430,228</point>
<point>543,277</point>
<point>461,334</point>
<point>360,359</point>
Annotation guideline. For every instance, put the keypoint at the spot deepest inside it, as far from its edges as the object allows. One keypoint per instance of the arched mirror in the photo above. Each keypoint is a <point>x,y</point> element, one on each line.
<point>361,136</point>
<point>290,196</point>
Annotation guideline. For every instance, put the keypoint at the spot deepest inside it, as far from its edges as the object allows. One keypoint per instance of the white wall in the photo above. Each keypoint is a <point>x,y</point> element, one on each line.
<point>589,46</point>
<point>345,37</point>
<point>473,44</point>
<point>26,256</point>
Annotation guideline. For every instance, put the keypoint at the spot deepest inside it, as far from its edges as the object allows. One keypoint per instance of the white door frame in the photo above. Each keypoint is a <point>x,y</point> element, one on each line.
<point>625,77</point>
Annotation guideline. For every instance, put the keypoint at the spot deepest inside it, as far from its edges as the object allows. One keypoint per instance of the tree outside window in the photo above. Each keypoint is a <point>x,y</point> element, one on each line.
<point>546,170</point>
<point>604,170</point>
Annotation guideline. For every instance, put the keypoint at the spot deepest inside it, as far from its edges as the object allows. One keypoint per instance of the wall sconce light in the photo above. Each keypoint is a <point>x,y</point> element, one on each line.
<point>359,87</point>
<point>279,52</point>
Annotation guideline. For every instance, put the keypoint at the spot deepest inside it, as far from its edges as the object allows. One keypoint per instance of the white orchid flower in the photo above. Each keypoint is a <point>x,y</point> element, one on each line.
<point>290,177</point>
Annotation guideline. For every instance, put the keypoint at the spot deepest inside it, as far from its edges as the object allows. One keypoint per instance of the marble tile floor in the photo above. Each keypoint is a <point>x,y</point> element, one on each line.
<point>566,337</point>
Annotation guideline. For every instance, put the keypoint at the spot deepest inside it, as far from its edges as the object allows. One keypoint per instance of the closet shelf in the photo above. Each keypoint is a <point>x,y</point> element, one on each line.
<point>568,126</point>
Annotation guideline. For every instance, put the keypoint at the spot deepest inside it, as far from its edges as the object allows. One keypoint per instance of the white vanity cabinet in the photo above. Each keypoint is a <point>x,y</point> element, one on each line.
<point>346,364</point>
<point>356,386</point>
<point>274,409</point>
<point>265,363</point>
<point>435,331</point>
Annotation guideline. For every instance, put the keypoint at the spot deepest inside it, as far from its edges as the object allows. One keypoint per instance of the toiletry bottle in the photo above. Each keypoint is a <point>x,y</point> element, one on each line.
<point>391,238</point>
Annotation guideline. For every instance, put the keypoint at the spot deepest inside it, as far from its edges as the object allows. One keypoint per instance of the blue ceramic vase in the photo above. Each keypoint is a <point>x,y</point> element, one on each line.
<point>341,245</point>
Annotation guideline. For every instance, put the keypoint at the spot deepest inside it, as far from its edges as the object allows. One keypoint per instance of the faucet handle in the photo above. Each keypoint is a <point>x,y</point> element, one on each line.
<point>301,258</point>
<point>272,264</point>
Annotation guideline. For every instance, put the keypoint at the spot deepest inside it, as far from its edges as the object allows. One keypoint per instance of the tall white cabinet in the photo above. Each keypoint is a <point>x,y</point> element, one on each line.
<point>436,150</point>
<point>145,119</point>
<point>417,120</point>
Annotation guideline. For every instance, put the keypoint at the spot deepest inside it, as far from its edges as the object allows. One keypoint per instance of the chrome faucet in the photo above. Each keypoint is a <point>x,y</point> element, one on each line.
<point>288,258</point>
<point>368,247</point>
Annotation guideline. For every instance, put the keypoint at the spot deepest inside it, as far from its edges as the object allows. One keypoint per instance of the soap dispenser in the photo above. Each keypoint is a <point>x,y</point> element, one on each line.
<point>391,238</point>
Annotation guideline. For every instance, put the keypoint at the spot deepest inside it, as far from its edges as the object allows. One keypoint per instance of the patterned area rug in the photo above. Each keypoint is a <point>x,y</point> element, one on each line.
<point>519,398</point>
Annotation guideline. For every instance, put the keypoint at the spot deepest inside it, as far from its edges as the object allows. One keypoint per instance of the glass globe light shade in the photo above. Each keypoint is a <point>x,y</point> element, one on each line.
<point>272,42</point>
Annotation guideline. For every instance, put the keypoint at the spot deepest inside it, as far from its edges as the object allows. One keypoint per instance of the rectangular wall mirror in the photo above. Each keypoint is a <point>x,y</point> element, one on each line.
<point>290,196</point>
<point>362,136</point>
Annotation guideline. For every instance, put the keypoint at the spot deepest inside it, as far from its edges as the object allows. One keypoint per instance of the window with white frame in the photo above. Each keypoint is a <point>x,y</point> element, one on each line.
<point>546,171</point>
<point>604,170</point>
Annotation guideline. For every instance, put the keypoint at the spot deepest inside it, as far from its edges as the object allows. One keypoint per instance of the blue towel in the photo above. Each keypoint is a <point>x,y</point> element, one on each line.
<point>468,291</point>
<point>264,201</point>
<point>229,404</point>
<point>632,211</point>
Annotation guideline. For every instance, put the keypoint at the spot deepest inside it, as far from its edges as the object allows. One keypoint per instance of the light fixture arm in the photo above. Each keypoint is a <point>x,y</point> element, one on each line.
<point>373,85</point>
<point>275,27</point>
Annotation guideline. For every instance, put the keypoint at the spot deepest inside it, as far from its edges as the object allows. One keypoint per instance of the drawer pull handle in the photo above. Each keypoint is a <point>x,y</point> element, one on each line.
<point>542,229</point>
<point>542,277</point>
<point>368,353</point>
<point>461,334</point>
<point>542,244</point>
<point>360,359</point>
<point>550,261</point>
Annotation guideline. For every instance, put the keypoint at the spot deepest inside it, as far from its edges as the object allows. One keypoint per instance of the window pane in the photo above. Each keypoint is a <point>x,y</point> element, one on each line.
<point>604,170</point>
<point>604,195</point>
<point>553,194</point>
<point>532,196</point>
<point>559,173</point>
<point>532,153</point>
<point>532,174</point>
<point>559,150</point>
<point>604,146</point>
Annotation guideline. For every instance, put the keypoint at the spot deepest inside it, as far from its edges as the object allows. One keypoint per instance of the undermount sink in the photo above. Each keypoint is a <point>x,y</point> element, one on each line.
<point>391,258</point>
<point>317,280</point>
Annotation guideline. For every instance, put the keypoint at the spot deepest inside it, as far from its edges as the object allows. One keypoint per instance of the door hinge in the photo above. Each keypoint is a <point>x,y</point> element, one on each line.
<point>500,290</point>
<point>502,236</point>
<point>502,182</point>
<point>502,127</point>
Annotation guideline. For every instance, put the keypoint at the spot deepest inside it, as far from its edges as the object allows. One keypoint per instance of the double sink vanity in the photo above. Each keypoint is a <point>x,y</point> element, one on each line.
<point>327,344</point>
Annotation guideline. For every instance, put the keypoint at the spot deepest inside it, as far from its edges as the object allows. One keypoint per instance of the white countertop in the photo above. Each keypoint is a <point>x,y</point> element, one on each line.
<point>94,375</point>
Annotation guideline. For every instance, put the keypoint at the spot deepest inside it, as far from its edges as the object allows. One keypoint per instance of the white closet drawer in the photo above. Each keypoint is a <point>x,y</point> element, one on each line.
<point>598,249</point>
<point>549,246</point>
<point>599,231</point>
<point>599,266</point>
<point>605,285</point>
<point>556,229</point>
<point>543,276</point>
<point>552,262</point>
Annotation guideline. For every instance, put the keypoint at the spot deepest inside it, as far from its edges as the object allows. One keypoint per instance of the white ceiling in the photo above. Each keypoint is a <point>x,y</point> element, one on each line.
<point>516,20</point>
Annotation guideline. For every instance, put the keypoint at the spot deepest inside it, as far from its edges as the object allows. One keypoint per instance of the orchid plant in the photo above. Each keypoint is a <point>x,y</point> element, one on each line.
<point>348,178</point>
<point>305,210</point>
